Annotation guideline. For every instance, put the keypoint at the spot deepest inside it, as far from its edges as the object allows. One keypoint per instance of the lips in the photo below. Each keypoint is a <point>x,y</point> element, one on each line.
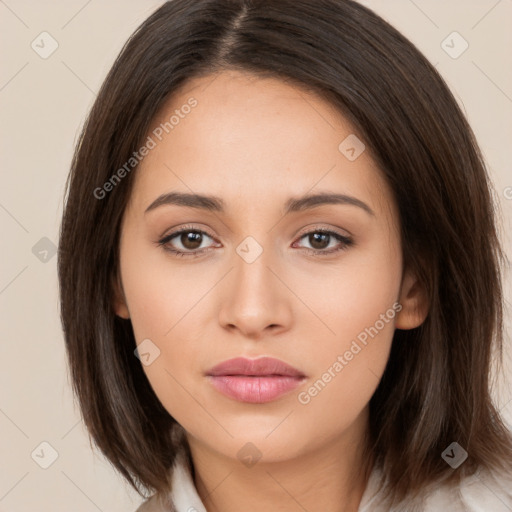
<point>254,380</point>
<point>264,366</point>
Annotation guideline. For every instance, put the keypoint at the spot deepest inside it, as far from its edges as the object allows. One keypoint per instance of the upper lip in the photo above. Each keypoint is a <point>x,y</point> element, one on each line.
<point>262,366</point>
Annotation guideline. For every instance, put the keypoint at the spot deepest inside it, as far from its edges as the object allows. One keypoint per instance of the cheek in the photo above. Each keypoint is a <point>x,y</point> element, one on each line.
<point>349,295</point>
<point>165,317</point>
<point>161,294</point>
<point>348,368</point>
<point>165,304</point>
<point>358,302</point>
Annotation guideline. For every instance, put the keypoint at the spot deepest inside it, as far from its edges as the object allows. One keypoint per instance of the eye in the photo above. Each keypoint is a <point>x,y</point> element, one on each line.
<point>323,241</point>
<point>188,240</point>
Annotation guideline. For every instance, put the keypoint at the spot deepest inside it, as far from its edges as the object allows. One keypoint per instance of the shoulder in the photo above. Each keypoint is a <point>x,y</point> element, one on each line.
<point>483,491</point>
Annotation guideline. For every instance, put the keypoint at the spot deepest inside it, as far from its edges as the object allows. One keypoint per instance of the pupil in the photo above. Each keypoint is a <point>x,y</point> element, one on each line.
<point>314,240</point>
<point>191,240</point>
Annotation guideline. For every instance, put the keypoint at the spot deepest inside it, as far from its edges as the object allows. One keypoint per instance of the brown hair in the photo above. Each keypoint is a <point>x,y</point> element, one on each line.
<point>435,389</point>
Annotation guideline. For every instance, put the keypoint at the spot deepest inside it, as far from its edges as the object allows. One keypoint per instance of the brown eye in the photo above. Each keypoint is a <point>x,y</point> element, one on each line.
<point>191,239</point>
<point>186,242</point>
<point>319,240</point>
<point>326,242</point>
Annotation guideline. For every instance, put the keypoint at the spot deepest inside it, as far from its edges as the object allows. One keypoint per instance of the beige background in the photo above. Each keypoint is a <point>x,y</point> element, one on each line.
<point>43,103</point>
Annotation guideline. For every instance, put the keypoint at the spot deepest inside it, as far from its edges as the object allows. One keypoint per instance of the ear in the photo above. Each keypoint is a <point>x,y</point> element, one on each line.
<point>120,306</point>
<point>414,301</point>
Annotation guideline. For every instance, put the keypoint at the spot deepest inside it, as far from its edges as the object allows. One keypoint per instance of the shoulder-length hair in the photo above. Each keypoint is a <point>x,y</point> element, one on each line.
<point>436,386</point>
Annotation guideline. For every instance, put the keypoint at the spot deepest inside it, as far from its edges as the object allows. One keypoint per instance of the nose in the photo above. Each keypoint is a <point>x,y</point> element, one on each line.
<point>255,299</point>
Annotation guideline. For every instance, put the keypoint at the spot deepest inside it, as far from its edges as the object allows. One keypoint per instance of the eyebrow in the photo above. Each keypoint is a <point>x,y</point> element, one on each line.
<point>216,204</point>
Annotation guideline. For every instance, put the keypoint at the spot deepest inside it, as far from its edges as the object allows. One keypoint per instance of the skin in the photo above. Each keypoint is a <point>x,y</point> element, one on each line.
<point>256,142</point>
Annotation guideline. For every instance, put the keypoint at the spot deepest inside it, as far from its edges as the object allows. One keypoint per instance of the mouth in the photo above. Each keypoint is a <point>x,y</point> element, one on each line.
<point>254,380</point>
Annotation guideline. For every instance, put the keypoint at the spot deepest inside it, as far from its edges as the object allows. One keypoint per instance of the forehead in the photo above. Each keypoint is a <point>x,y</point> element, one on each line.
<point>252,141</point>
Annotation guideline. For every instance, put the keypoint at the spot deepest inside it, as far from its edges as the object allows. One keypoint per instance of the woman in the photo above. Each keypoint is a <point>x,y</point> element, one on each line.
<point>279,268</point>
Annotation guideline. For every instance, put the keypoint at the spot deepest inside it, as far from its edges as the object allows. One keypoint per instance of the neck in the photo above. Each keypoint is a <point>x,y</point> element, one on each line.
<point>331,477</point>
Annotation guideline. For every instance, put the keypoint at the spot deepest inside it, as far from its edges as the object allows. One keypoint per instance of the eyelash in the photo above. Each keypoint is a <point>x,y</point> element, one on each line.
<point>346,242</point>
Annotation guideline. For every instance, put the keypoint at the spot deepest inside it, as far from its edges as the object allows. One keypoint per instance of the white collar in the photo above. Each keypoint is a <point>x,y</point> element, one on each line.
<point>184,493</point>
<point>483,491</point>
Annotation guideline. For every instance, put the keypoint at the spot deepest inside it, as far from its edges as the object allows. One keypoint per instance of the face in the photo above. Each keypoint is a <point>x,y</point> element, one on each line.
<point>261,271</point>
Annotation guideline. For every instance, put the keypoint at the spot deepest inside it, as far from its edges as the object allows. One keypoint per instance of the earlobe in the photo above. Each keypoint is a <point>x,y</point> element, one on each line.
<point>414,301</point>
<point>120,306</point>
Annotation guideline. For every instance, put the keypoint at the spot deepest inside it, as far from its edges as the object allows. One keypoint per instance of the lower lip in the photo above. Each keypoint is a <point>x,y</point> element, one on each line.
<point>256,390</point>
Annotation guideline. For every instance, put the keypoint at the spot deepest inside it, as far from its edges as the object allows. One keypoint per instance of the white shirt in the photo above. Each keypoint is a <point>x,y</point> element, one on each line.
<point>479,493</point>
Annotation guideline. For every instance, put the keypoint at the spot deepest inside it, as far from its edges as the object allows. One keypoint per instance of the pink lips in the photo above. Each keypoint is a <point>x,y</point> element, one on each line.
<point>254,380</point>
